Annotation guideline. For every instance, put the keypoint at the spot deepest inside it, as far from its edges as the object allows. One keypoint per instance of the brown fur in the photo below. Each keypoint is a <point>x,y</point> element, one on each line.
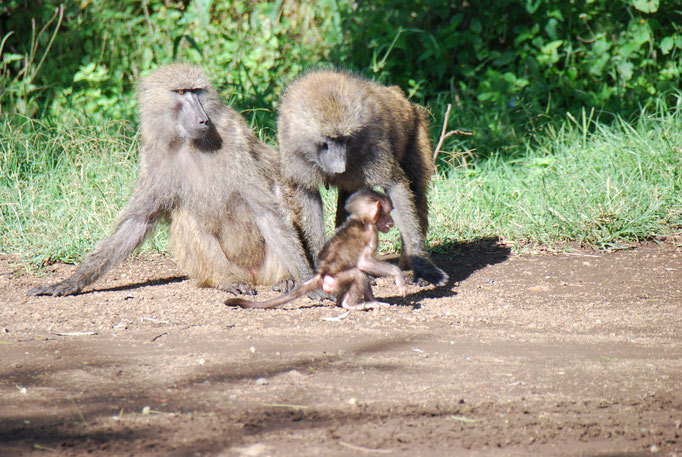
<point>348,257</point>
<point>228,226</point>
<point>387,142</point>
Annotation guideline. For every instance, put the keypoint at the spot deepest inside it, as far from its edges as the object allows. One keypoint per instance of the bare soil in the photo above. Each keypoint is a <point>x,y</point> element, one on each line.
<point>542,354</point>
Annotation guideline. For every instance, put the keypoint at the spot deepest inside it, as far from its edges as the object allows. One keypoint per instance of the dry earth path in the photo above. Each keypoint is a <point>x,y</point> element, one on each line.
<point>542,354</point>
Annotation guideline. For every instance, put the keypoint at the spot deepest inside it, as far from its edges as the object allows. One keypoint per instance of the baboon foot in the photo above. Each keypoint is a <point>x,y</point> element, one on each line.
<point>365,305</point>
<point>238,288</point>
<point>284,286</point>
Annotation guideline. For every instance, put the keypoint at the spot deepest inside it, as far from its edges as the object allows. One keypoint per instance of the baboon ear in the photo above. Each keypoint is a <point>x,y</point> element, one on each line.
<point>375,211</point>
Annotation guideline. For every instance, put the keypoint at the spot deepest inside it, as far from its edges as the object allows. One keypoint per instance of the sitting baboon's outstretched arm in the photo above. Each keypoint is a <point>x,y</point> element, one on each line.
<point>136,223</point>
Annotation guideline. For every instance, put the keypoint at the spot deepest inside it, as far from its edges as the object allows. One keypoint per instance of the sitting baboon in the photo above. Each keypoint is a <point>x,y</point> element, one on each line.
<point>201,169</point>
<point>338,129</point>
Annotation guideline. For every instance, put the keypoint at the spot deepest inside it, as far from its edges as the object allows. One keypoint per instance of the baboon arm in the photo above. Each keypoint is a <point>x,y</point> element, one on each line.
<point>414,244</point>
<point>312,219</point>
<point>341,213</point>
<point>279,234</point>
<point>405,215</point>
<point>375,267</point>
<point>137,221</point>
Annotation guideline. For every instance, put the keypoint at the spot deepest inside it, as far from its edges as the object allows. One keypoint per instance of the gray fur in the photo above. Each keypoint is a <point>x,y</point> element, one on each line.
<point>384,141</point>
<point>228,226</point>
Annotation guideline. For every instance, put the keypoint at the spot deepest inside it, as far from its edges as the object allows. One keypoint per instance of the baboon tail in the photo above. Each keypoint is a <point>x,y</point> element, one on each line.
<point>314,284</point>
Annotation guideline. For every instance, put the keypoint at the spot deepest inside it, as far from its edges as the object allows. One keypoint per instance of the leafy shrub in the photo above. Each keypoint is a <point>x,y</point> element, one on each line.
<point>508,64</point>
<point>101,48</point>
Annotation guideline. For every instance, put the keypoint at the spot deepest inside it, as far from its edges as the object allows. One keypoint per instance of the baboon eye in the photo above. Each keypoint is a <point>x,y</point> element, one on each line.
<point>323,146</point>
<point>181,92</point>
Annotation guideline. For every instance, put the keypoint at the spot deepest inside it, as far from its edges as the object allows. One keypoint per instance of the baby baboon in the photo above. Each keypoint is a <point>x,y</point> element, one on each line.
<point>335,128</point>
<point>348,257</point>
<point>200,169</point>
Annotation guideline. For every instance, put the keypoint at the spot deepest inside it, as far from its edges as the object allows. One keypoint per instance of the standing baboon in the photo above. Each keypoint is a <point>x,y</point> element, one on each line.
<point>348,257</point>
<point>200,169</point>
<point>335,128</point>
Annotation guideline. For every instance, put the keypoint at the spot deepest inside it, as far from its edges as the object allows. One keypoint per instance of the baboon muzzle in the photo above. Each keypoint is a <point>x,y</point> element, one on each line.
<point>333,159</point>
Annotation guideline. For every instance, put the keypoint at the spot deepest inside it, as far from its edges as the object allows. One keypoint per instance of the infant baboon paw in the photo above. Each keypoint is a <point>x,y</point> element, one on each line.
<point>366,305</point>
<point>375,305</point>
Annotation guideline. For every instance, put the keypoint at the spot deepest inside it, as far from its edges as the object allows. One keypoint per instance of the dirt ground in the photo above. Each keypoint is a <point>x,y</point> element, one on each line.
<point>538,354</point>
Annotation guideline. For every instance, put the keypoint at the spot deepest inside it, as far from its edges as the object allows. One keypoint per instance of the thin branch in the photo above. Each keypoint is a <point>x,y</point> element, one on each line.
<point>444,134</point>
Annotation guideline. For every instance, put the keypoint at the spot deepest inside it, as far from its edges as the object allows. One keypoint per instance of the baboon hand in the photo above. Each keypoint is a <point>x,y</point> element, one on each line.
<point>57,290</point>
<point>424,268</point>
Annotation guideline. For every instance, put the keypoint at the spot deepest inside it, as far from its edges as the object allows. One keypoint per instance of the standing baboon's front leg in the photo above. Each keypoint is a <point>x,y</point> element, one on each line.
<point>414,244</point>
<point>311,220</point>
<point>341,213</point>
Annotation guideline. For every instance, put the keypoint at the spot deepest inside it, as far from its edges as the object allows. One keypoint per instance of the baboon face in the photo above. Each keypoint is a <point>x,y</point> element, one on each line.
<point>177,100</point>
<point>384,221</point>
<point>373,207</point>
<point>331,154</point>
<point>193,122</point>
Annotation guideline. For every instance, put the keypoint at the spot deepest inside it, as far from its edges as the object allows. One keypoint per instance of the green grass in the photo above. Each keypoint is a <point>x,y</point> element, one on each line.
<point>61,188</point>
<point>587,182</point>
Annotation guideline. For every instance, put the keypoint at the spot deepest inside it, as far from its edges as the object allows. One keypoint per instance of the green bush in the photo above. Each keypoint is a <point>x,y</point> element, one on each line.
<point>508,66</point>
<point>87,57</point>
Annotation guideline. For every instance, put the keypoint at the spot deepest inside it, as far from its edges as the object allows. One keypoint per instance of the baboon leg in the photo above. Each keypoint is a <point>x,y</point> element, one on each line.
<point>311,220</point>
<point>406,219</point>
<point>359,295</point>
<point>341,213</point>
<point>355,282</point>
<point>420,202</point>
<point>414,245</point>
<point>278,233</point>
<point>418,168</point>
<point>199,254</point>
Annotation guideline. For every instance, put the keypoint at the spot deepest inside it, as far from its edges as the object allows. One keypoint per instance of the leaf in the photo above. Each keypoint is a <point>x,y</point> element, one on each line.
<point>84,73</point>
<point>551,46</point>
<point>476,26</point>
<point>532,7</point>
<point>10,57</point>
<point>667,44</point>
<point>625,70</point>
<point>646,6</point>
